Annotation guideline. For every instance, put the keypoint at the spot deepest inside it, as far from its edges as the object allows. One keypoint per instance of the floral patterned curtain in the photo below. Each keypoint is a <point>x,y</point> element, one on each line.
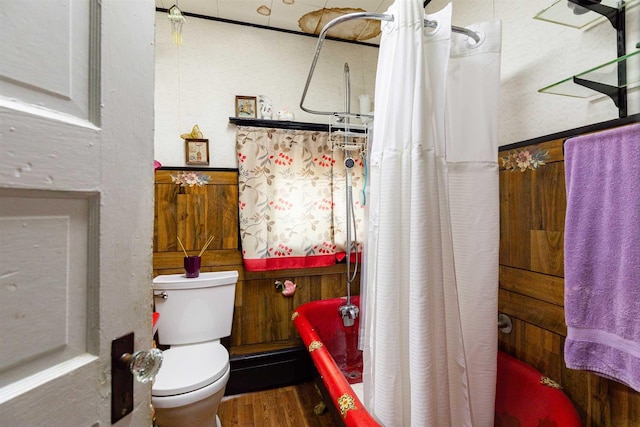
<point>292,200</point>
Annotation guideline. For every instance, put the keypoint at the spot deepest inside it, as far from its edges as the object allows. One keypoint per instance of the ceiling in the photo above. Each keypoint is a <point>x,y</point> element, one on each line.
<point>302,16</point>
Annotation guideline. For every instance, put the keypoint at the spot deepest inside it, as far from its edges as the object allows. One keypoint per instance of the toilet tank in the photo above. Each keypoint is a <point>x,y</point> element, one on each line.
<point>196,309</point>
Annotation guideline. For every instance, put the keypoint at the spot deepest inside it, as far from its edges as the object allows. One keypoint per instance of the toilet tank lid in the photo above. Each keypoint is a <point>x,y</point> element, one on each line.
<point>180,281</point>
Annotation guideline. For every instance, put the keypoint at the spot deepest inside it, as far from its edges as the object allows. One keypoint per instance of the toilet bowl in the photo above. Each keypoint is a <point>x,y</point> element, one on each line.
<point>194,314</point>
<point>190,385</point>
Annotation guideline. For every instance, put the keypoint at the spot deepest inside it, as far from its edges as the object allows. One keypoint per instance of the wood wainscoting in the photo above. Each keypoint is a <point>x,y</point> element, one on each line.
<point>532,209</point>
<point>193,214</point>
<point>262,332</point>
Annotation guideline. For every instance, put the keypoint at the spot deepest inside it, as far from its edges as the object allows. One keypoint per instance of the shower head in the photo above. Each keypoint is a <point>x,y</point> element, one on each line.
<point>349,162</point>
<point>346,67</point>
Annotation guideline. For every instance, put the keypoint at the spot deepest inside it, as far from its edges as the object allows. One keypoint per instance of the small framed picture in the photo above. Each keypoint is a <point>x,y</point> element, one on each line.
<point>246,106</point>
<point>197,151</point>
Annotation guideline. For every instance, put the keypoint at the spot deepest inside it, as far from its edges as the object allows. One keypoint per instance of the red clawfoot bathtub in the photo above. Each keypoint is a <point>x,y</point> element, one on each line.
<point>524,397</point>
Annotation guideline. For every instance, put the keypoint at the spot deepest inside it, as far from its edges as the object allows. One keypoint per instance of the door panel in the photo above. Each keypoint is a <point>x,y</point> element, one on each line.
<point>44,307</point>
<point>76,205</point>
<point>50,65</point>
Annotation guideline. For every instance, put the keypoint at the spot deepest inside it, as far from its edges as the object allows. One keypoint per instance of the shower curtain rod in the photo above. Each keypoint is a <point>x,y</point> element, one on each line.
<point>359,15</point>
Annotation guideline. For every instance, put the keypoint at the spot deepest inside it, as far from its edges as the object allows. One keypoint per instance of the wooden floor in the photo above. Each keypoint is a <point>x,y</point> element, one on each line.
<point>291,406</point>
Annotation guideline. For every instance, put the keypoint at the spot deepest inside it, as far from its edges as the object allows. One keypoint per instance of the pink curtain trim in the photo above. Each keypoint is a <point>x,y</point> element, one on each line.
<point>265,264</point>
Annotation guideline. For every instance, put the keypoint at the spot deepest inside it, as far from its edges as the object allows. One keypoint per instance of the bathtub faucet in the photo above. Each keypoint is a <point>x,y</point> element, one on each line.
<point>349,313</point>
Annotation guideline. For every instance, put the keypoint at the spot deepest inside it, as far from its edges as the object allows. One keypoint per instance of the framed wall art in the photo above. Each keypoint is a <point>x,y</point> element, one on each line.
<point>197,151</point>
<point>246,107</point>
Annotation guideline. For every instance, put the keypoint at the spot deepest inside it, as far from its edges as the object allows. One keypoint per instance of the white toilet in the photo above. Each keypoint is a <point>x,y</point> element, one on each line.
<point>194,314</point>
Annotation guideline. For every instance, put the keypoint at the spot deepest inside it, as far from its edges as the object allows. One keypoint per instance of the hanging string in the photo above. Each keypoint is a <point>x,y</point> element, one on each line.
<point>177,21</point>
<point>179,86</point>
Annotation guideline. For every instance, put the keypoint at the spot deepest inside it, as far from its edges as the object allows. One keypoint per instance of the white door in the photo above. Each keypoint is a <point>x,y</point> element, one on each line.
<point>76,205</point>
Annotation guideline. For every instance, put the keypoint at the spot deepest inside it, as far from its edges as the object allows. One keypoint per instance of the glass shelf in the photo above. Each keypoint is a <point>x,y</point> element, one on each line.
<point>606,74</point>
<point>559,12</point>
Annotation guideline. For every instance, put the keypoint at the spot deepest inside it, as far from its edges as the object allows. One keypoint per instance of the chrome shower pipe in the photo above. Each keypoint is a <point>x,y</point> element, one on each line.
<point>347,154</point>
<point>348,312</point>
<point>347,88</point>
<point>321,37</point>
<point>362,15</point>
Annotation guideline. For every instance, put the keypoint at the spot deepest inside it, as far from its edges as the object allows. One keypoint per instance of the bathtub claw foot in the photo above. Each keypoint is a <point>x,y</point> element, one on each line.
<point>320,408</point>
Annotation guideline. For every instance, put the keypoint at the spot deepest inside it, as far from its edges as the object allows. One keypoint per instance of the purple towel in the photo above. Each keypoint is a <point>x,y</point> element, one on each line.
<point>602,254</point>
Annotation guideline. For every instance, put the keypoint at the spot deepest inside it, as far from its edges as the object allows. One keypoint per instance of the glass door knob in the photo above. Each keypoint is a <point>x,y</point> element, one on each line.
<point>144,365</point>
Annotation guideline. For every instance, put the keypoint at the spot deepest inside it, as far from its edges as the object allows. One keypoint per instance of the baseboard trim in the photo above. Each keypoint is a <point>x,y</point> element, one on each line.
<point>270,369</point>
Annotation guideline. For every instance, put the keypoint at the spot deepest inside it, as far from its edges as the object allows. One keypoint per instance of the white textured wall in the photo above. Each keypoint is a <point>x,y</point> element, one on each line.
<point>197,82</point>
<point>536,54</point>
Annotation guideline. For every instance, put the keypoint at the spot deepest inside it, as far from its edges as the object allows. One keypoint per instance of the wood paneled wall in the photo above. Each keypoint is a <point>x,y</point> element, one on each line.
<point>532,208</point>
<point>262,316</point>
<point>193,214</point>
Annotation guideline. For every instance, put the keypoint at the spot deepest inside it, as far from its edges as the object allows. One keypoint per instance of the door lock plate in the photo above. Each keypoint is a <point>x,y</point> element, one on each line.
<point>121,378</point>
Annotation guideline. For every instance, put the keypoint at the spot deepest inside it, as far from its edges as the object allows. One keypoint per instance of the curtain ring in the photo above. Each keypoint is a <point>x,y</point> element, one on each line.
<point>472,44</point>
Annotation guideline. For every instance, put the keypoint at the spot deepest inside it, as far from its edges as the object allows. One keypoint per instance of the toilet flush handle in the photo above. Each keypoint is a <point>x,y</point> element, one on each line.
<point>162,295</point>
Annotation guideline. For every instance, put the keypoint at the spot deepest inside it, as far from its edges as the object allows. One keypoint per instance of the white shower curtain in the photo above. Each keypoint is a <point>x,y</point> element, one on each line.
<point>432,253</point>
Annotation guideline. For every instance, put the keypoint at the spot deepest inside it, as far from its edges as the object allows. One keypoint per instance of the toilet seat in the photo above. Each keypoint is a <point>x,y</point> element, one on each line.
<point>186,368</point>
<point>200,395</point>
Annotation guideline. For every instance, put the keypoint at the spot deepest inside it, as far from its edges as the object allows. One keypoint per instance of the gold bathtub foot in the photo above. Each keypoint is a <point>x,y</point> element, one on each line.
<point>320,408</point>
